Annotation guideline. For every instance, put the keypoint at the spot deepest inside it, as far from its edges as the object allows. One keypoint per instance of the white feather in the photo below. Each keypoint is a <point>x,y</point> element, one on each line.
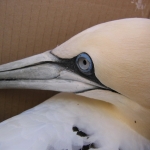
<point>48,126</point>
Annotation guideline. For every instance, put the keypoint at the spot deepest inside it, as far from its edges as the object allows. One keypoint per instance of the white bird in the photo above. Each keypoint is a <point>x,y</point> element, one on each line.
<point>108,68</point>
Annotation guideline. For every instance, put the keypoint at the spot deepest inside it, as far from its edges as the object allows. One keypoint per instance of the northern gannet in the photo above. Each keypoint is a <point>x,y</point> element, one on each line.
<point>108,68</point>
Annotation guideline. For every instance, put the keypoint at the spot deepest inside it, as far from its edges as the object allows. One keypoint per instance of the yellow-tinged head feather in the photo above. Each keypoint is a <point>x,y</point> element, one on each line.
<point>120,51</point>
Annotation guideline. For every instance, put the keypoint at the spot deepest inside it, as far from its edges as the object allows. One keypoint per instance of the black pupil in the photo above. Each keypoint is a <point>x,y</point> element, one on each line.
<point>84,62</point>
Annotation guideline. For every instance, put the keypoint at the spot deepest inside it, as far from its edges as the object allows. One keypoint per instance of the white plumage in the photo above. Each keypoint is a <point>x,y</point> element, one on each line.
<point>49,126</point>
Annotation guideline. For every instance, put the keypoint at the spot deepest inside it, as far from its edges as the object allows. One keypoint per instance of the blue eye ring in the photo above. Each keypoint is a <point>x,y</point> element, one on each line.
<point>84,63</point>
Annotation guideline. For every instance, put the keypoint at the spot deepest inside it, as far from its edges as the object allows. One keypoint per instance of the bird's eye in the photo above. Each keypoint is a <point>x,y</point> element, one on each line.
<point>84,63</point>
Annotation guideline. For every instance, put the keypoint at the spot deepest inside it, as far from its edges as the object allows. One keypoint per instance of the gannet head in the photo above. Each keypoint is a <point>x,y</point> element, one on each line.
<point>112,58</point>
<point>120,51</point>
<point>109,62</point>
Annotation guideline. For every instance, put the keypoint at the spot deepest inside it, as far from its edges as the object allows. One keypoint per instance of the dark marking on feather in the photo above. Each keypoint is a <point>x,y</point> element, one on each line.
<point>82,134</point>
<point>75,129</point>
<point>87,147</point>
<point>93,146</point>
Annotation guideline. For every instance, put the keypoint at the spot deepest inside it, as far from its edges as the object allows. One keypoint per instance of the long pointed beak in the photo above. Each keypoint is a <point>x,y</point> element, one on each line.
<point>43,71</point>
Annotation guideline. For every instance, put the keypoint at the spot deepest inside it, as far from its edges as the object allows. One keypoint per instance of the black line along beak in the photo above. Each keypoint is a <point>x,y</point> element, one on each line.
<point>43,71</point>
<point>47,72</point>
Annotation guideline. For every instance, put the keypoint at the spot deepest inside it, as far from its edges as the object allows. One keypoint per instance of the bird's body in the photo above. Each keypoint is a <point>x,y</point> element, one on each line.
<point>69,122</point>
<point>107,67</point>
